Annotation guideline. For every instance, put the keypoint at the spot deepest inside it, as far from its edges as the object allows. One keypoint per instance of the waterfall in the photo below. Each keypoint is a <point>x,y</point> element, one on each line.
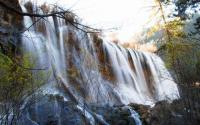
<point>93,69</point>
<point>75,58</point>
<point>141,76</point>
<point>45,50</point>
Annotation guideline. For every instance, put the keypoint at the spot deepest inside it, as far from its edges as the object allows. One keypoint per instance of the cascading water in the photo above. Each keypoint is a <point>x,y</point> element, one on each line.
<point>141,76</point>
<point>75,59</point>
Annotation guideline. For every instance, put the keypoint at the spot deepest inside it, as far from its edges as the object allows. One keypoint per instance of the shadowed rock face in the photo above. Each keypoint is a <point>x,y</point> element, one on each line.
<point>10,25</point>
<point>115,115</point>
<point>9,18</point>
<point>165,113</point>
<point>52,110</point>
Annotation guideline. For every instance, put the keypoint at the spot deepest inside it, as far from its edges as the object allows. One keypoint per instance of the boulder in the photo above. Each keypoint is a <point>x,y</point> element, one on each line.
<point>51,110</point>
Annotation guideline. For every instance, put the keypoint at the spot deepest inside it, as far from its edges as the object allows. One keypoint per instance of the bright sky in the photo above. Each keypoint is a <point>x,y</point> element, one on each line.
<point>128,15</point>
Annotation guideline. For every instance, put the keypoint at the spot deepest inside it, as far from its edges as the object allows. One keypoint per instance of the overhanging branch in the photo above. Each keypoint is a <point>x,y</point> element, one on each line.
<point>59,14</point>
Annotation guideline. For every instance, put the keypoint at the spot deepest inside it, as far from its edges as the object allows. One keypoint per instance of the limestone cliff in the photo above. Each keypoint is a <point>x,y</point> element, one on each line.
<point>10,25</point>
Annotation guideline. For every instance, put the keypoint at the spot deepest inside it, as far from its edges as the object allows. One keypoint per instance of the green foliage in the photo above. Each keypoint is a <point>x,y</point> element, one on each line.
<point>176,28</point>
<point>17,81</point>
<point>181,52</point>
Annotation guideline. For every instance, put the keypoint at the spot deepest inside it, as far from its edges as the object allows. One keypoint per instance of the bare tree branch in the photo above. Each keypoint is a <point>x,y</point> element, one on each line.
<point>60,14</point>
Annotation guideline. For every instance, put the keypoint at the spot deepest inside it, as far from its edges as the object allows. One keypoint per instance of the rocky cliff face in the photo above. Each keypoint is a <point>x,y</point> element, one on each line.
<point>10,26</point>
